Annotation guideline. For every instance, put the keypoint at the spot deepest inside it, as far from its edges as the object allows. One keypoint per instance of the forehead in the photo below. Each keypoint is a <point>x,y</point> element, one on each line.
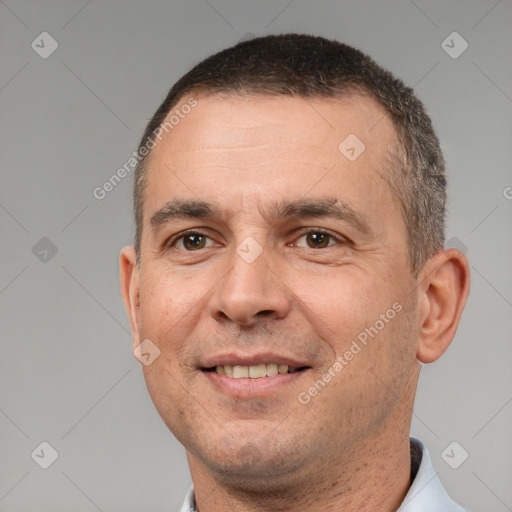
<point>317,123</point>
<point>273,145</point>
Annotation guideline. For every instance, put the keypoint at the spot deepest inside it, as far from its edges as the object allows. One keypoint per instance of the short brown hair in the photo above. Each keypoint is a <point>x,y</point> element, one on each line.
<point>312,66</point>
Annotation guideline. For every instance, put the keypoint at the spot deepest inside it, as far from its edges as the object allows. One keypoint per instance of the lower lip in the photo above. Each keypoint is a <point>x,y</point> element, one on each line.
<point>252,388</point>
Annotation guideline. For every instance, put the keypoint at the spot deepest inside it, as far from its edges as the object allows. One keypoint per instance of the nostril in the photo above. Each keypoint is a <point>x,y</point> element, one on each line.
<point>266,312</point>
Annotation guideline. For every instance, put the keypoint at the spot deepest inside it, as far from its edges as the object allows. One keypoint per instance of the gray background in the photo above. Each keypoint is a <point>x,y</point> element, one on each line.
<point>71,120</point>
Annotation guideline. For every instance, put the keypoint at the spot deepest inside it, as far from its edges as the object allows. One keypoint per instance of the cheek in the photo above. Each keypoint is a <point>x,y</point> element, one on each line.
<point>166,318</point>
<point>368,321</point>
<point>383,353</point>
<point>346,303</point>
<point>166,392</point>
<point>165,302</point>
<point>371,373</point>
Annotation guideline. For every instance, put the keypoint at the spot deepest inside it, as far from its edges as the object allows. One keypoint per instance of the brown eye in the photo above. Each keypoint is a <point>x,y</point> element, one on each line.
<point>189,241</point>
<point>317,240</point>
<point>193,241</point>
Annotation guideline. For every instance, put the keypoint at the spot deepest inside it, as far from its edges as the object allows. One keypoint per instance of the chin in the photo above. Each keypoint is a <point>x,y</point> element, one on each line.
<point>262,466</point>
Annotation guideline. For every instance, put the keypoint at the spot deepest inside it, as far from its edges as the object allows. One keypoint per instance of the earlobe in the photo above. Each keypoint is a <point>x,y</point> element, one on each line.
<point>129,275</point>
<point>444,288</point>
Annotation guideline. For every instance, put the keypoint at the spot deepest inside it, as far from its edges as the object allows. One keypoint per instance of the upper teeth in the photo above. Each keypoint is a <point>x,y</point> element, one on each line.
<point>253,372</point>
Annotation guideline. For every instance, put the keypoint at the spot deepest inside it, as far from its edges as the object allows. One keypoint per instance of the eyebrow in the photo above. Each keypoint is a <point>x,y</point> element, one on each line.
<point>300,208</point>
<point>329,208</point>
<point>183,209</point>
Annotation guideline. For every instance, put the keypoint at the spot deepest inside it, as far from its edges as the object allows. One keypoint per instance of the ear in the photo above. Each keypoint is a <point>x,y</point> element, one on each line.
<point>443,290</point>
<point>130,289</point>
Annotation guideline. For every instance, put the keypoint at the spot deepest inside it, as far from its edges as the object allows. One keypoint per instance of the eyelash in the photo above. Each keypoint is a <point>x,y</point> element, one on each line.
<point>337,239</point>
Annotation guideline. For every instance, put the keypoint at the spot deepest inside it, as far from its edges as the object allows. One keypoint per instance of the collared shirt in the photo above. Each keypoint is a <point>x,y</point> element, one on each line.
<point>426,493</point>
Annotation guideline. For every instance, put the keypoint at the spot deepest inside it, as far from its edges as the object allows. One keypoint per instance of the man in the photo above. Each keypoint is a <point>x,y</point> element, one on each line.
<point>289,277</point>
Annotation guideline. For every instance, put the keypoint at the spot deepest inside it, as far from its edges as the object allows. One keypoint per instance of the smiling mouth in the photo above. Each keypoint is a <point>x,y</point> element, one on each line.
<point>257,371</point>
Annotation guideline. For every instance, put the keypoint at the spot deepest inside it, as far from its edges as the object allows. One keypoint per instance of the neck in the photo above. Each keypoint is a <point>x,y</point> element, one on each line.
<point>372,476</point>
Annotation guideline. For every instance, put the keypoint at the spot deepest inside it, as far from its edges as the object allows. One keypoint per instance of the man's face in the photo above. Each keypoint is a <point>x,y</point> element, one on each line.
<point>297,251</point>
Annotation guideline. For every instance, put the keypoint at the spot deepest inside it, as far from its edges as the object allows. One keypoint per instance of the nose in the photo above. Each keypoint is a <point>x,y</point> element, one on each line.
<point>251,290</point>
